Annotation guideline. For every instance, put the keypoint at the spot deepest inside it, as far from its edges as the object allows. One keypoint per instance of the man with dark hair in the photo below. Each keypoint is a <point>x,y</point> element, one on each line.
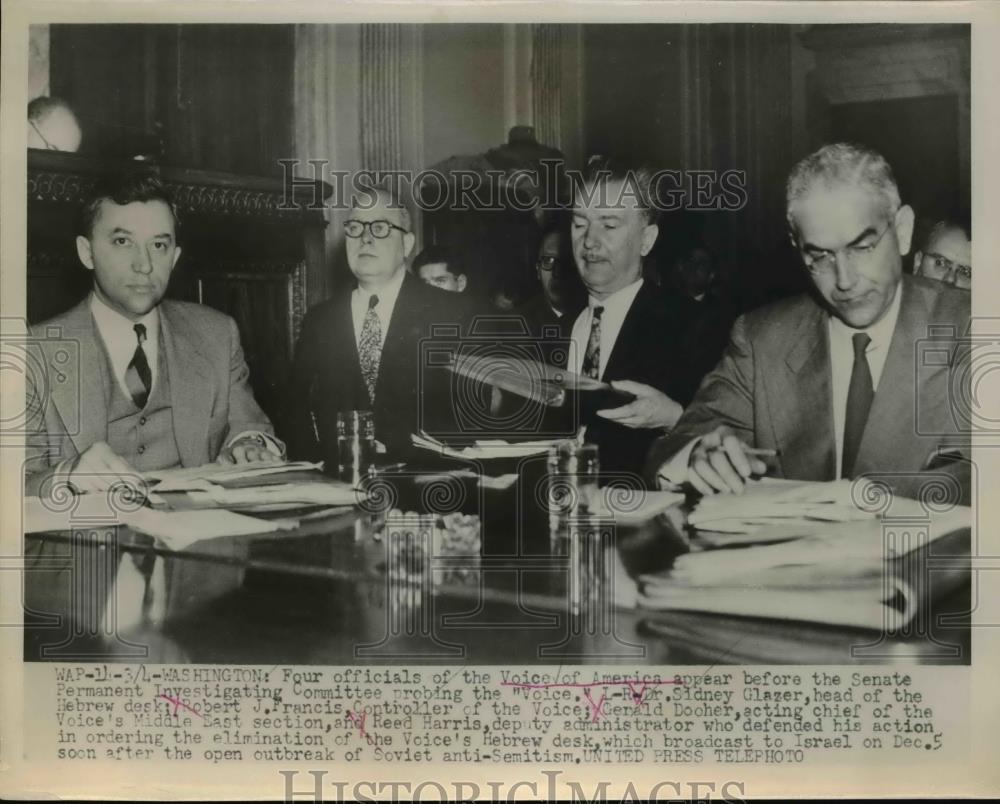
<point>631,334</point>
<point>159,383</point>
<point>437,266</point>
<point>561,293</point>
<point>833,384</point>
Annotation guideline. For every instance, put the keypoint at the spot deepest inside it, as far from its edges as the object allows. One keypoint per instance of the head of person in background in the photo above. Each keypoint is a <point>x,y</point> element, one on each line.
<point>378,237</point>
<point>946,254</point>
<point>850,229</point>
<point>52,125</point>
<point>437,265</point>
<point>613,226</point>
<point>693,271</point>
<point>128,238</point>
<point>554,268</point>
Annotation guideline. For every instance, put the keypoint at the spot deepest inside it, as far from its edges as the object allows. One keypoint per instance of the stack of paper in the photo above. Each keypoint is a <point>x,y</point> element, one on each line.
<point>484,449</point>
<point>846,574</point>
<point>198,477</point>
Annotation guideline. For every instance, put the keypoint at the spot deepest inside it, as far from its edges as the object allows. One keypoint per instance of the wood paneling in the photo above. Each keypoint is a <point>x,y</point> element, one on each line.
<point>215,97</point>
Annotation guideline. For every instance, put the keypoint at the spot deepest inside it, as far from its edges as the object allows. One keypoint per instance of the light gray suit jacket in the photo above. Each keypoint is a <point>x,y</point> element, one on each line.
<point>66,410</point>
<point>773,387</point>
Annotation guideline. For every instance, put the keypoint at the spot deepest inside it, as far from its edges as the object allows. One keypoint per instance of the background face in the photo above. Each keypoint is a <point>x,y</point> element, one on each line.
<point>844,219</point>
<point>438,275</point>
<point>549,248</point>
<point>374,260</point>
<point>131,250</point>
<point>953,245</point>
<point>610,237</point>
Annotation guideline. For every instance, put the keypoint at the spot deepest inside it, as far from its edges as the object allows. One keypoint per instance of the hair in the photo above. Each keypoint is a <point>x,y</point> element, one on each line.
<point>41,107</point>
<point>437,254</point>
<point>602,169</point>
<point>392,199</point>
<point>843,164</point>
<point>125,188</point>
<point>938,228</point>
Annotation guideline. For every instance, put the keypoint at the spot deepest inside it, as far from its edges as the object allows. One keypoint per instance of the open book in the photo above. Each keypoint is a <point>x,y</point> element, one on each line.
<point>533,379</point>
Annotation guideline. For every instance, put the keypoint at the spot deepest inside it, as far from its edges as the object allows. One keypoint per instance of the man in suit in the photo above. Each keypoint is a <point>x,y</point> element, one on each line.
<point>631,334</point>
<point>158,383</point>
<point>834,381</point>
<point>361,350</point>
<point>555,307</point>
<point>946,254</point>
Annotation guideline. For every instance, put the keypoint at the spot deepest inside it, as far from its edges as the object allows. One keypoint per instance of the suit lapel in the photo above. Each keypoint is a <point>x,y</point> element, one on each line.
<point>619,362</point>
<point>892,410</point>
<point>191,396</point>
<point>80,397</point>
<point>799,400</point>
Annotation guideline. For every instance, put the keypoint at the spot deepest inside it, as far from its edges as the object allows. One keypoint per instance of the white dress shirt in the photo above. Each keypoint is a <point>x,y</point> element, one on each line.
<point>387,295</point>
<point>616,307</point>
<point>120,340</point>
<point>842,362</point>
<point>674,471</point>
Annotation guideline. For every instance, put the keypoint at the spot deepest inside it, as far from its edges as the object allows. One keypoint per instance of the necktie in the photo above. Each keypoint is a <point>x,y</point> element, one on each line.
<point>370,347</point>
<point>859,400</point>
<point>592,357</point>
<point>138,377</point>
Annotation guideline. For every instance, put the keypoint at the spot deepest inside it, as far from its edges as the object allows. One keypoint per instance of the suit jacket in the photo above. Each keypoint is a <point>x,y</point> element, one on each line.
<point>652,348</point>
<point>773,386</point>
<point>326,377</point>
<point>209,394</point>
<point>539,316</point>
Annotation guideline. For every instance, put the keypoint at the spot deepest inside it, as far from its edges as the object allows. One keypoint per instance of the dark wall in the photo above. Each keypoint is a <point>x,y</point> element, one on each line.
<point>216,97</point>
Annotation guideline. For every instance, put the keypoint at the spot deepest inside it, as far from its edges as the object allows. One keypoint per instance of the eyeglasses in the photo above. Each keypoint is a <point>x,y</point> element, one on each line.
<point>547,263</point>
<point>944,266</point>
<point>825,262</point>
<point>48,145</point>
<point>379,229</point>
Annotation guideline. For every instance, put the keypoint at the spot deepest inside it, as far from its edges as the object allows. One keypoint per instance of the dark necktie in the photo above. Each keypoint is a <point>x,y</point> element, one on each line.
<point>859,401</point>
<point>138,377</point>
<point>370,347</point>
<point>592,357</point>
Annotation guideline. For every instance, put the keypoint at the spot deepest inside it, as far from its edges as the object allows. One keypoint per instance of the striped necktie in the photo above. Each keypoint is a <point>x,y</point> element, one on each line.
<point>370,347</point>
<point>592,357</point>
<point>138,377</point>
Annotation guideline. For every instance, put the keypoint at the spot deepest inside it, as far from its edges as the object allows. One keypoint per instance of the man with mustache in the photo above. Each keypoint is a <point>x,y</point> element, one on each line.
<point>834,384</point>
<point>631,335</point>
<point>159,383</point>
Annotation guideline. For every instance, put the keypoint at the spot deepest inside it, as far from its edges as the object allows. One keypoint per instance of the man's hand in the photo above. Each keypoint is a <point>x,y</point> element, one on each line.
<point>98,468</point>
<point>721,462</point>
<point>247,450</point>
<point>650,408</point>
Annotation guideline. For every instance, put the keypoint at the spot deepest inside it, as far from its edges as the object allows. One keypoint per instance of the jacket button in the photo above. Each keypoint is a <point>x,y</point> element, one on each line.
<point>142,449</point>
<point>142,420</point>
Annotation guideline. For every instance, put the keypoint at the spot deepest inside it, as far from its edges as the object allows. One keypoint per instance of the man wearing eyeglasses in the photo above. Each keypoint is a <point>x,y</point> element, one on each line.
<point>946,255</point>
<point>361,350</point>
<point>829,384</point>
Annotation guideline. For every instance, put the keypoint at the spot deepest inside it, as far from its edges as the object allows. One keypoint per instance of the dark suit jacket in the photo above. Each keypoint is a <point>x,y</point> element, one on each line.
<point>209,392</point>
<point>326,376</point>
<point>539,317</point>
<point>773,386</point>
<point>652,348</point>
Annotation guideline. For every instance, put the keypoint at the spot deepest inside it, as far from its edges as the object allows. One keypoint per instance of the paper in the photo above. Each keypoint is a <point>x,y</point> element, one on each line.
<point>485,449</point>
<point>180,529</point>
<point>631,506</point>
<point>77,511</point>
<point>197,477</point>
<point>329,492</point>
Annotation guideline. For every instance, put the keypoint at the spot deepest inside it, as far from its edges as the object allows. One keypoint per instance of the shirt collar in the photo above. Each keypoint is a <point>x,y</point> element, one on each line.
<point>621,299</point>
<point>387,293</point>
<point>114,326</point>
<point>881,331</point>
